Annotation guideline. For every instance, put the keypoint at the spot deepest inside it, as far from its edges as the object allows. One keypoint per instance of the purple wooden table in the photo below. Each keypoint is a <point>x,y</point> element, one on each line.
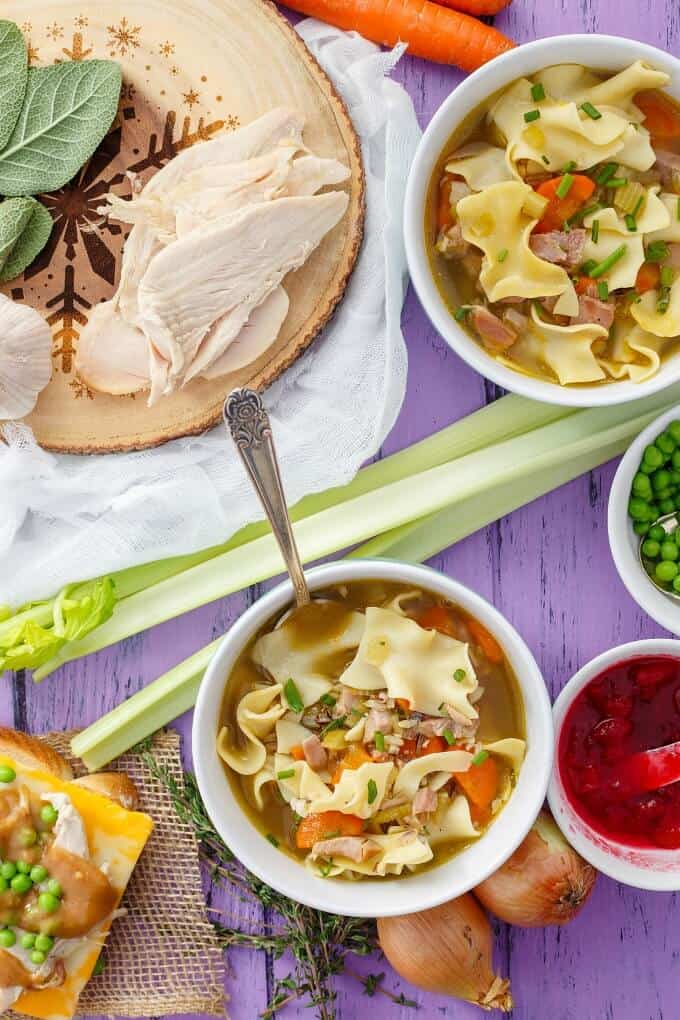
<point>547,568</point>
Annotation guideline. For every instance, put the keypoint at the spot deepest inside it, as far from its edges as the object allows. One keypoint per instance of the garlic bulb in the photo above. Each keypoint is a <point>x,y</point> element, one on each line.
<point>25,358</point>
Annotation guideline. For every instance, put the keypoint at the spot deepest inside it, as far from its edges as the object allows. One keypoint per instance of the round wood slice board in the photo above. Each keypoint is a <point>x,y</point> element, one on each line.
<point>191,68</point>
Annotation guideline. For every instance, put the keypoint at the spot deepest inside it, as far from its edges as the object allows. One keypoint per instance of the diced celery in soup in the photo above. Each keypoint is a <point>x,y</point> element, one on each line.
<point>554,225</point>
<point>373,734</point>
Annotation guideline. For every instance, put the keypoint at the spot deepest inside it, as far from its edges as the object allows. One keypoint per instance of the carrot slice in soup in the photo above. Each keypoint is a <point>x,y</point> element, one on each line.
<point>297,753</point>
<point>479,783</point>
<point>648,277</point>
<point>487,642</point>
<point>433,746</point>
<point>662,118</point>
<point>326,825</point>
<point>558,210</point>
<point>445,218</point>
<point>354,759</point>
<point>437,618</point>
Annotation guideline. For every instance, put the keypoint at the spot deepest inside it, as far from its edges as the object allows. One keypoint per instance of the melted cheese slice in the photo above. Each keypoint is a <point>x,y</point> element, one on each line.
<point>116,839</point>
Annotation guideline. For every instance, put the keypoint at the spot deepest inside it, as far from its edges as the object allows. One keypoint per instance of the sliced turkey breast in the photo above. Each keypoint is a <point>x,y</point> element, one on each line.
<point>257,336</point>
<point>112,356</point>
<point>228,269</point>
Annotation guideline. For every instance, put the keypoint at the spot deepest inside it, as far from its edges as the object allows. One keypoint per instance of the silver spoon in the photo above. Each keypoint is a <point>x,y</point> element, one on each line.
<point>248,422</point>
<point>669,522</point>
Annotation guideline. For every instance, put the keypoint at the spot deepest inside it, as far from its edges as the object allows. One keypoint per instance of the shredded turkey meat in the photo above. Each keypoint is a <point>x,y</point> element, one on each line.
<point>355,848</point>
<point>314,752</point>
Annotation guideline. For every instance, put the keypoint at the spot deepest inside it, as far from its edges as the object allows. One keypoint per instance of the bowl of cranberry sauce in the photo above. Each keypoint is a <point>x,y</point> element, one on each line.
<point>624,702</point>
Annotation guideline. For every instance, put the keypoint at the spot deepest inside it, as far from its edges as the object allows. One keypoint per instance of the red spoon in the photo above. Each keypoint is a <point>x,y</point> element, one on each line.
<point>648,770</point>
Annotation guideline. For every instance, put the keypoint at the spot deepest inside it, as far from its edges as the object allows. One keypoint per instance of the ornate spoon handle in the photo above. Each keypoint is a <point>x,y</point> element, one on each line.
<point>248,422</point>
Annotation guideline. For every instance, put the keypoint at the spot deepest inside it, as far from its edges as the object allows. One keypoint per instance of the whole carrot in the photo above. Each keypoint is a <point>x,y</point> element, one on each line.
<point>476,7</point>
<point>430,30</point>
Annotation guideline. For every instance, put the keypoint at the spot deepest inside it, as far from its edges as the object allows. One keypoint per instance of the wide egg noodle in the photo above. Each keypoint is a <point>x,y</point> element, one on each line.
<point>620,89</point>
<point>663,324</point>
<point>398,850</point>
<point>623,273</point>
<point>511,749</point>
<point>290,734</point>
<point>259,780</point>
<point>671,232</point>
<point>304,783</point>
<point>413,772</point>
<point>567,350</point>
<point>352,793</point>
<point>629,343</point>
<point>278,654</point>
<point>480,164</point>
<point>256,717</point>
<point>452,821</point>
<point>654,215</point>
<point>415,664</point>
<point>564,81</point>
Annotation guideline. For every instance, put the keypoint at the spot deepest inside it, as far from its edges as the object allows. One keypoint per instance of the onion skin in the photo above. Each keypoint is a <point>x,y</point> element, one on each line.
<point>544,882</point>
<point>447,949</point>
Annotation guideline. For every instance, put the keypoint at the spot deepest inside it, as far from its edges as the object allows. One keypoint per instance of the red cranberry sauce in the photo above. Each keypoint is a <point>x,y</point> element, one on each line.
<point>632,706</point>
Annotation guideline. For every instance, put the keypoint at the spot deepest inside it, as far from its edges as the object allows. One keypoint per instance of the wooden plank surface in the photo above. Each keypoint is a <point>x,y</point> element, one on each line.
<point>547,568</point>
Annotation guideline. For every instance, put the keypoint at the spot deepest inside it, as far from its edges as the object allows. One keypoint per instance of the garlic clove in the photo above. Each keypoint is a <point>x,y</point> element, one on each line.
<point>25,358</point>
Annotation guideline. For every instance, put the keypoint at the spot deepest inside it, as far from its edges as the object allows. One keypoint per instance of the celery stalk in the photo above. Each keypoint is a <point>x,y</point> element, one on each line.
<point>508,475</point>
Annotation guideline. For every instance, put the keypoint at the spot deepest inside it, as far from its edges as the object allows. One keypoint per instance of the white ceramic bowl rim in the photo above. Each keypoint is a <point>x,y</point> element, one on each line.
<point>599,51</point>
<point>643,868</point>
<point>374,897</point>
<point>624,542</point>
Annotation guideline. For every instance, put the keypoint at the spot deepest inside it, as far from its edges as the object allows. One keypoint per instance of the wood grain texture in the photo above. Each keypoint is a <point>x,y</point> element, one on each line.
<point>548,569</point>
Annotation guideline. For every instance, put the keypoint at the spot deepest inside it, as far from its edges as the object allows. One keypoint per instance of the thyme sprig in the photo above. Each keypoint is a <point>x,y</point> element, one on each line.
<point>320,943</point>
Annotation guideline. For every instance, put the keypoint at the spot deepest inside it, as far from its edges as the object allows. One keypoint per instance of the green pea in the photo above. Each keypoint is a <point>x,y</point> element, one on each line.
<point>646,469</point>
<point>667,506</point>
<point>28,837</point>
<point>48,902</point>
<point>28,940</point>
<point>38,873</point>
<point>638,509</point>
<point>652,456</point>
<point>7,774</point>
<point>4,884</point>
<point>657,532</point>
<point>8,870</point>
<point>669,550</point>
<point>651,549</point>
<point>675,477</point>
<point>666,443</point>
<point>49,814</point>
<point>674,430</point>
<point>661,480</point>
<point>641,527</point>
<point>23,867</point>
<point>21,884</point>
<point>44,943</point>
<point>666,571</point>
<point>37,957</point>
<point>642,486</point>
<point>653,512</point>
<point>676,584</point>
<point>54,888</point>
<point>7,938</point>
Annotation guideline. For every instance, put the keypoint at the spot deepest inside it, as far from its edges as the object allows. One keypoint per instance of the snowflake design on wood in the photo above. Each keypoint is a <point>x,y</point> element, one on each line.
<point>55,31</point>
<point>166,49</point>
<point>123,37</point>
<point>191,97</point>
<point>77,52</point>
<point>81,21</point>
<point>33,55</point>
<point>27,27</point>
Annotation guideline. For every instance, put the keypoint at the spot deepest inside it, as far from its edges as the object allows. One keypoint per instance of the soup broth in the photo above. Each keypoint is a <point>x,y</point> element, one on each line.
<point>559,256</point>
<point>374,733</point>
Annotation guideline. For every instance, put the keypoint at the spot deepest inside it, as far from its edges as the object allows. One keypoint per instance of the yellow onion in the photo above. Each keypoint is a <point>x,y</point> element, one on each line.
<point>447,949</point>
<point>544,882</point>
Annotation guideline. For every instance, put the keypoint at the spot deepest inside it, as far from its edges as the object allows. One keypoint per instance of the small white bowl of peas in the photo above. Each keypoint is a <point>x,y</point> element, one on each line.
<point>646,552</point>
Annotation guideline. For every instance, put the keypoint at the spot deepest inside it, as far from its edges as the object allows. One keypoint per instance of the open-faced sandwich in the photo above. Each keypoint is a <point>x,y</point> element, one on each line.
<point>67,850</point>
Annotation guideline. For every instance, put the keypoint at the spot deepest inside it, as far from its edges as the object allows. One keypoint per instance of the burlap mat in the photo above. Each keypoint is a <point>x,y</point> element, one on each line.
<point>163,956</point>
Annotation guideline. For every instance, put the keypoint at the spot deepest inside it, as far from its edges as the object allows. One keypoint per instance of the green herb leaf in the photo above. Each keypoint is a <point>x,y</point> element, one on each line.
<point>328,699</point>
<point>606,264</point>
<point>13,78</point>
<point>537,92</point>
<point>564,187</point>
<point>480,757</point>
<point>372,790</point>
<point>595,231</point>
<point>603,290</point>
<point>449,737</point>
<point>502,255</point>
<point>25,228</point>
<point>657,251</point>
<point>606,173</point>
<point>532,115</point>
<point>336,724</point>
<point>293,696</point>
<point>379,740</point>
<point>68,109</point>
<point>285,774</point>
<point>591,111</point>
<point>459,676</point>
<point>273,840</point>
<point>460,313</point>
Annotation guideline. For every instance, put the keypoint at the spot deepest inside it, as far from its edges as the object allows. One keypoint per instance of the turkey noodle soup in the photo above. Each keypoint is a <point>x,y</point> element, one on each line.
<point>373,733</point>
<point>554,225</point>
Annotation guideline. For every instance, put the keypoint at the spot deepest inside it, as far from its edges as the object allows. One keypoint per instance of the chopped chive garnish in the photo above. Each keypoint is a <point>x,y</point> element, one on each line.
<point>663,302</point>
<point>595,231</point>
<point>545,160</point>
<point>606,173</point>
<point>285,774</point>
<point>603,290</point>
<point>582,213</point>
<point>336,724</point>
<point>564,187</point>
<point>293,696</point>
<point>273,840</point>
<point>591,111</point>
<point>531,115</point>
<point>638,206</point>
<point>537,92</point>
<point>657,251</point>
<point>630,222</point>
<point>372,790</point>
<point>380,741</point>
<point>480,757</point>
<point>502,255</point>
<point>449,737</point>
<point>666,276</point>
<point>328,699</point>
<point>571,165</point>
<point>461,312</point>
<point>617,182</point>
<point>602,267</point>
<point>459,676</point>
<point>587,266</point>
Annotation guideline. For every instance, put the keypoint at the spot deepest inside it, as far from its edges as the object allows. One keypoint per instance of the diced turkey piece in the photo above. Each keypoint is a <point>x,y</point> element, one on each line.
<point>355,848</point>
<point>458,191</point>
<point>592,310</point>
<point>492,332</point>
<point>257,336</point>
<point>560,247</point>
<point>433,727</point>
<point>425,801</point>
<point>346,702</point>
<point>673,259</point>
<point>112,356</point>
<point>225,273</point>
<point>451,243</point>
<point>666,164</point>
<point>515,320</point>
<point>314,752</point>
<point>378,720</point>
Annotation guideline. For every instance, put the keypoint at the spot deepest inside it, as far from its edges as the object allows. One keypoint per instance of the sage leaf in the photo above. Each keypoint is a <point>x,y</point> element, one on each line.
<point>25,228</point>
<point>13,78</point>
<point>67,111</point>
